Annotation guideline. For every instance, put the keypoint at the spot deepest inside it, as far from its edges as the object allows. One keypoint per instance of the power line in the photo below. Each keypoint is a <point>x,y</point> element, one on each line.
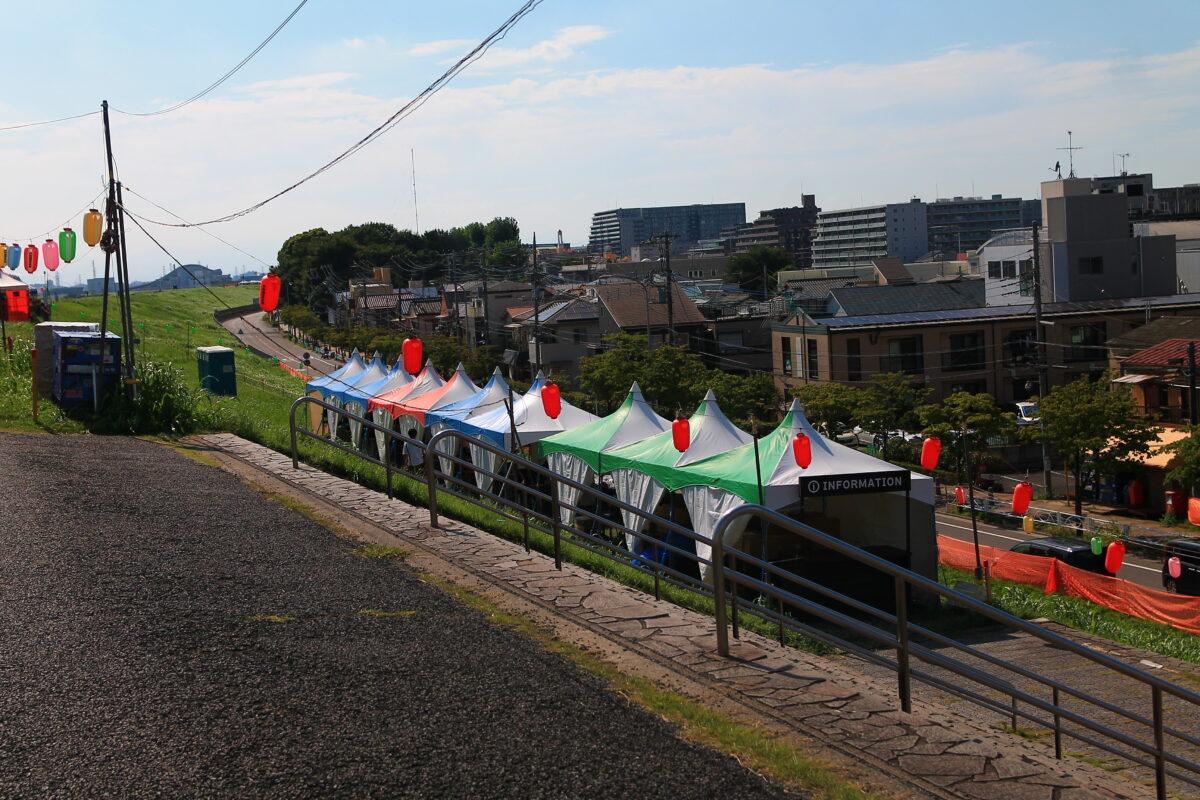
<point>202,230</point>
<point>90,204</point>
<point>178,105</point>
<point>406,110</point>
<point>224,77</point>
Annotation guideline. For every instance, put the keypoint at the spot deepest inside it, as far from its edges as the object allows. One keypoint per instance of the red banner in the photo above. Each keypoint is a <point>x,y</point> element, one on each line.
<point>1178,611</point>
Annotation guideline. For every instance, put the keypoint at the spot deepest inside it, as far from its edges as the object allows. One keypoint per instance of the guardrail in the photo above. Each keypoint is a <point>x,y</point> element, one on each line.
<point>740,582</point>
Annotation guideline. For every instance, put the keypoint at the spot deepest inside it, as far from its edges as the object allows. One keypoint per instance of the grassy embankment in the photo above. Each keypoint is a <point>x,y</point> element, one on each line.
<point>176,322</point>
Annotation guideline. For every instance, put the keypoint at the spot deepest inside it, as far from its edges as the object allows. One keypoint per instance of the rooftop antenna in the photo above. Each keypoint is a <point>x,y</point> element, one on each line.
<point>1121,156</point>
<point>416,214</point>
<point>1070,148</point>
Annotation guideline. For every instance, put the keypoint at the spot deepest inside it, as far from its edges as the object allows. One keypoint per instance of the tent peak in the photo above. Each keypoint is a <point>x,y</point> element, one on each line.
<point>709,397</point>
<point>635,389</point>
<point>497,371</point>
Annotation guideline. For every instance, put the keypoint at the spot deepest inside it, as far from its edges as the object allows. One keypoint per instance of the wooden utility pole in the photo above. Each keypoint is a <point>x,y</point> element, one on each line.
<point>1040,348</point>
<point>535,361</point>
<point>112,242</point>
<point>663,240</point>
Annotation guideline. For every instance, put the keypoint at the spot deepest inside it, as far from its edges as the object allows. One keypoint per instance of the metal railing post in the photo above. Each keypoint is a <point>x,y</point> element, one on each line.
<point>1057,726</point>
<point>555,527</point>
<point>292,427</point>
<point>717,570</point>
<point>903,674</point>
<point>431,481</point>
<point>387,467</point>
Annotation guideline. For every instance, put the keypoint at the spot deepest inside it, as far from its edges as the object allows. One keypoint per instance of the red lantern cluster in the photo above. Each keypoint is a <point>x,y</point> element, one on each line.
<point>681,433</point>
<point>802,450</point>
<point>931,452</point>
<point>1114,557</point>
<point>551,400</point>
<point>1022,495</point>
<point>411,350</point>
<point>268,292</point>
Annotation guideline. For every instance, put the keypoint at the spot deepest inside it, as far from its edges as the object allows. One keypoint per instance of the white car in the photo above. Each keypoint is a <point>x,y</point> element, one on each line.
<point>1027,413</point>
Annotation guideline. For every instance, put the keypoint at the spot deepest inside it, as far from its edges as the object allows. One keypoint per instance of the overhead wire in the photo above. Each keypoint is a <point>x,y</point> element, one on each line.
<point>406,110</point>
<point>180,104</point>
<point>181,219</point>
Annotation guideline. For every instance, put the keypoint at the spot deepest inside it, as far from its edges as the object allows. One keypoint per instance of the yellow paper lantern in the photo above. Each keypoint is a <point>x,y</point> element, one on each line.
<point>93,225</point>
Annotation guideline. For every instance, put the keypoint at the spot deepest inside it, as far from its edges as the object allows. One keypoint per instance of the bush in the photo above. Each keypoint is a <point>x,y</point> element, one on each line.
<point>164,403</point>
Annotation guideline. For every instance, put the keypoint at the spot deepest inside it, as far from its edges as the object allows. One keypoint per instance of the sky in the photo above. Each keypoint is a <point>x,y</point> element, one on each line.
<point>585,106</point>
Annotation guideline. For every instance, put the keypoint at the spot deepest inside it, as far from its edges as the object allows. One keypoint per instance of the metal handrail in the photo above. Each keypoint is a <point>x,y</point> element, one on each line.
<point>906,580</point>
<point>550,523</point>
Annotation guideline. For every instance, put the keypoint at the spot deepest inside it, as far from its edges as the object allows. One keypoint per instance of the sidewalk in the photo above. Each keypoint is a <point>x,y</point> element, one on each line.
<point>935,750</point>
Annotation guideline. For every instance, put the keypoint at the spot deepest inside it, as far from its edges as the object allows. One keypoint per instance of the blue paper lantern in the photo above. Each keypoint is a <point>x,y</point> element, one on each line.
<point>13,256</point>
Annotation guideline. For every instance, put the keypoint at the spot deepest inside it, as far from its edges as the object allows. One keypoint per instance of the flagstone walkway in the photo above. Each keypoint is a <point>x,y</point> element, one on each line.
<point>935,750</point>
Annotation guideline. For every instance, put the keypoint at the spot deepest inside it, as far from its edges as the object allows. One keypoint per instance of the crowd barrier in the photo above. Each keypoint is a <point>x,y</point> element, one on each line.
<point>1178,611</point>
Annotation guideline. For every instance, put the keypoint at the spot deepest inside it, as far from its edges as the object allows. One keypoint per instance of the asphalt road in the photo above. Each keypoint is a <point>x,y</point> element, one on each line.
<point>251,330</point>
<point>165,631</point>
<point>1137,570</point>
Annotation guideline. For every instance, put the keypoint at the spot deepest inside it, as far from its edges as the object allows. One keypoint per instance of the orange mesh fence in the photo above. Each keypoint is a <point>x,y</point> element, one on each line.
<point>295,372</point>
<point>1052,575</point>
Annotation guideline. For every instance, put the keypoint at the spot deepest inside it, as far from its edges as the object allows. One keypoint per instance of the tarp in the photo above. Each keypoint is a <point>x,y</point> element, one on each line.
<point>578,453</point>
<point>1052,575</point>
<point>459,387</point>
<point>495,394</point>
<point>528,417</point>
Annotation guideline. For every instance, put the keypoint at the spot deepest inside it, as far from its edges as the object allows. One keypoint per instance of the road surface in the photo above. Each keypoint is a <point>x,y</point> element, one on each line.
<point>254,332</point>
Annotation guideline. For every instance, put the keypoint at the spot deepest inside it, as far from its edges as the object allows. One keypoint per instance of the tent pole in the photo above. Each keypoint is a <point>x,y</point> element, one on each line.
<point>762,529</point>
<point>908,528</point>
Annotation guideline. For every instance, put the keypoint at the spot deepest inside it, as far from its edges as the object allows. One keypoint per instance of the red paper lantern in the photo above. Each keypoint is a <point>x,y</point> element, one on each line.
<point>1174,567</point>
<point>268,292</point>
<point>31,258</point>
<point>1021,497</point>
<point>681,434</point>
<point>931,451</point>
<point>411,349</point>
<point>960,495</point>
<point>50,254</point>
<point>802,450</point>
<point>1114,557</point>
<point>551,400</point>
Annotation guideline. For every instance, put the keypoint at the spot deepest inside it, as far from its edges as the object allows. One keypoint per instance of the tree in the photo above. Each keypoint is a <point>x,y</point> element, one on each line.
<point>829,404</point>
<point>1187,460</point>
<point>889,403</point>
<point>1090,419</point>
<point>977,414</point>
<point>753,270</point>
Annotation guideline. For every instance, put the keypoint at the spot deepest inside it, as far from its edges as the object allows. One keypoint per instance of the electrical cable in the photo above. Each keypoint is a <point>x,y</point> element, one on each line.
<point>181,219</point>
<point>223,78</point>
<point>46,234</point>
<point>405,110</point>
<point>180,104</point>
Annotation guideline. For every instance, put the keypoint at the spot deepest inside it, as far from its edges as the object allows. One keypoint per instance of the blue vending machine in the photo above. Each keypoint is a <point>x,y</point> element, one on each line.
<point>86,366</point>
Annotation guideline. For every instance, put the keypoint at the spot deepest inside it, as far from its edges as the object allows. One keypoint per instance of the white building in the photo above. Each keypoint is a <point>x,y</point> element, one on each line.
<point>851,237</point>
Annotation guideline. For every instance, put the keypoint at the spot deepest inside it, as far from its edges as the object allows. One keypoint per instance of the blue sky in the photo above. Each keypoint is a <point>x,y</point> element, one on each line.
<point>585,106</point>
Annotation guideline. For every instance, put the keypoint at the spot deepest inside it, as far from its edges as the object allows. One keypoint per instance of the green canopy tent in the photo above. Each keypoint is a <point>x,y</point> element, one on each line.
<point>578,454</point>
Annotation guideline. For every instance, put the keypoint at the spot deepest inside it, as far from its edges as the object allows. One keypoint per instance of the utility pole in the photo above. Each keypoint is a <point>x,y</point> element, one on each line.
<point>1192,383</point>
<point>1039,347</point>
<point>487,320</point>
<point>663,240</point>
<point>535,351</point>
<point>113,242</point>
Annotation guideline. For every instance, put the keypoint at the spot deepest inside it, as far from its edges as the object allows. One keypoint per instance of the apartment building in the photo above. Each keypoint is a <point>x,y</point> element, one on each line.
<point>851,237</point>
<point>618,230</point>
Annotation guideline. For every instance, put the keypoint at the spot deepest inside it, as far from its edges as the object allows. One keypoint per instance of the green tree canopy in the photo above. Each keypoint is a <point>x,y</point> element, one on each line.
<point>1187,460</point>
<point>828,404</point>
<point>977,414</point>
<point>754,270</point>
<point>1092,419</point>
<point>889,403</point>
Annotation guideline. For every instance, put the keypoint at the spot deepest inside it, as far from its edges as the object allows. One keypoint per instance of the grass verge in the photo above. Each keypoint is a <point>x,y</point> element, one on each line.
<point>754,748</point>
<point>1030,602</point>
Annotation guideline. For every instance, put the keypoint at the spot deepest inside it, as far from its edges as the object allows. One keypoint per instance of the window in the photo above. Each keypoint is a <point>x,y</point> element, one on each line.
<point>1091,265</point>
<point>853,360</point>
<point>972,387</point>
<point>904,355</point>
<point>578,335</point>
<point>1009,269</point>
<point>1087,343</point>
<point>1025,273</point>
<point>966,352</point>
<point>812,359</point>
<point>785,347</point>
<point>994,270</point>
<point>1019,348</point>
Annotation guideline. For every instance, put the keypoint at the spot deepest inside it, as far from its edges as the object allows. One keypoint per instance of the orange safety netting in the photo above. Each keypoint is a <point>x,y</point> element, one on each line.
<point>1053,575</point>
<point>293,371</point>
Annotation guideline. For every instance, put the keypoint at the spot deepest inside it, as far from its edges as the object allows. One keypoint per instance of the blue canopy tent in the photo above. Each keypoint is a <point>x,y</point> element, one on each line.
<point>319,387</point>
<point>491,397</point>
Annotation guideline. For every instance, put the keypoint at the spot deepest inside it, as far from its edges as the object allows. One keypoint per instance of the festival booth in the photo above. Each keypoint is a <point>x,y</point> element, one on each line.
<point>385,407</point>
<point>494,395</point>
<point>896,522</point>
<point>579,454</point>
<point>320,388</point>
<point>355,398</point>
<point>526,423</point>
<point>642,472</point>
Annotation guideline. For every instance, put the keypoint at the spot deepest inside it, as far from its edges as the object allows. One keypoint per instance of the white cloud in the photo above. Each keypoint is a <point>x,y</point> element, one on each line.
<point>562,45</point>
<point>354,43</point>
<point>552,148</point>
<point>439,47</point>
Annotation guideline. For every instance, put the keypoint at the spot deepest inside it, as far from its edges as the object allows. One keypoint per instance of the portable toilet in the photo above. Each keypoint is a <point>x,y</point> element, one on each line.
<point>218,374</point>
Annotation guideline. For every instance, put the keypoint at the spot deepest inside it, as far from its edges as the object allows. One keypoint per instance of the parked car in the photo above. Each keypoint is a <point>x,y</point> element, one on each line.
<point>840,433</point>
<point>1027,413</point>
<point>1075,552</point>
<point>1188,553</point>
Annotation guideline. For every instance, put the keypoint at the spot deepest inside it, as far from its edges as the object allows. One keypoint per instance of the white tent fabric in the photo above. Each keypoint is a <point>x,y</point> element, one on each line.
<point>374,372</point>
<point>706,504</point>
<point>345,381</point>
<point>715,434</point>
<point>530,418</point>
<point>317,387</point>
<point>494,395</point>
<point>450,445</point>
<point>484,459</point>
<point>640,490</point>
<point>575,468</point>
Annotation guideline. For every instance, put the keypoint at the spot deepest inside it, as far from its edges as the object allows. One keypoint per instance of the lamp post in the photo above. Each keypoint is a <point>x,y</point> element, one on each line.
<point>971,501</point>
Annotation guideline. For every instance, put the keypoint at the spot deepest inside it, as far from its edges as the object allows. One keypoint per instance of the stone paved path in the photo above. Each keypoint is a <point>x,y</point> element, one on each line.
<point>935,749</point>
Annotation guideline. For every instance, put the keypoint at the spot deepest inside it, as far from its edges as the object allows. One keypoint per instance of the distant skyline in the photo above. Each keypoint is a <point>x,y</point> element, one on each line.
<point>582,108</point>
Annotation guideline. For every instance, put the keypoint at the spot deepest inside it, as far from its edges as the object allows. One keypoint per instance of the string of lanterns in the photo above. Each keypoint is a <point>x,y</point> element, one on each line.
<point>52,253</point>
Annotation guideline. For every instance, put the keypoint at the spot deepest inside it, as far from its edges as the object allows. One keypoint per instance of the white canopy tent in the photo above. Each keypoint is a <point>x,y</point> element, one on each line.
<point>494,395</point>
<point>384,407</point>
